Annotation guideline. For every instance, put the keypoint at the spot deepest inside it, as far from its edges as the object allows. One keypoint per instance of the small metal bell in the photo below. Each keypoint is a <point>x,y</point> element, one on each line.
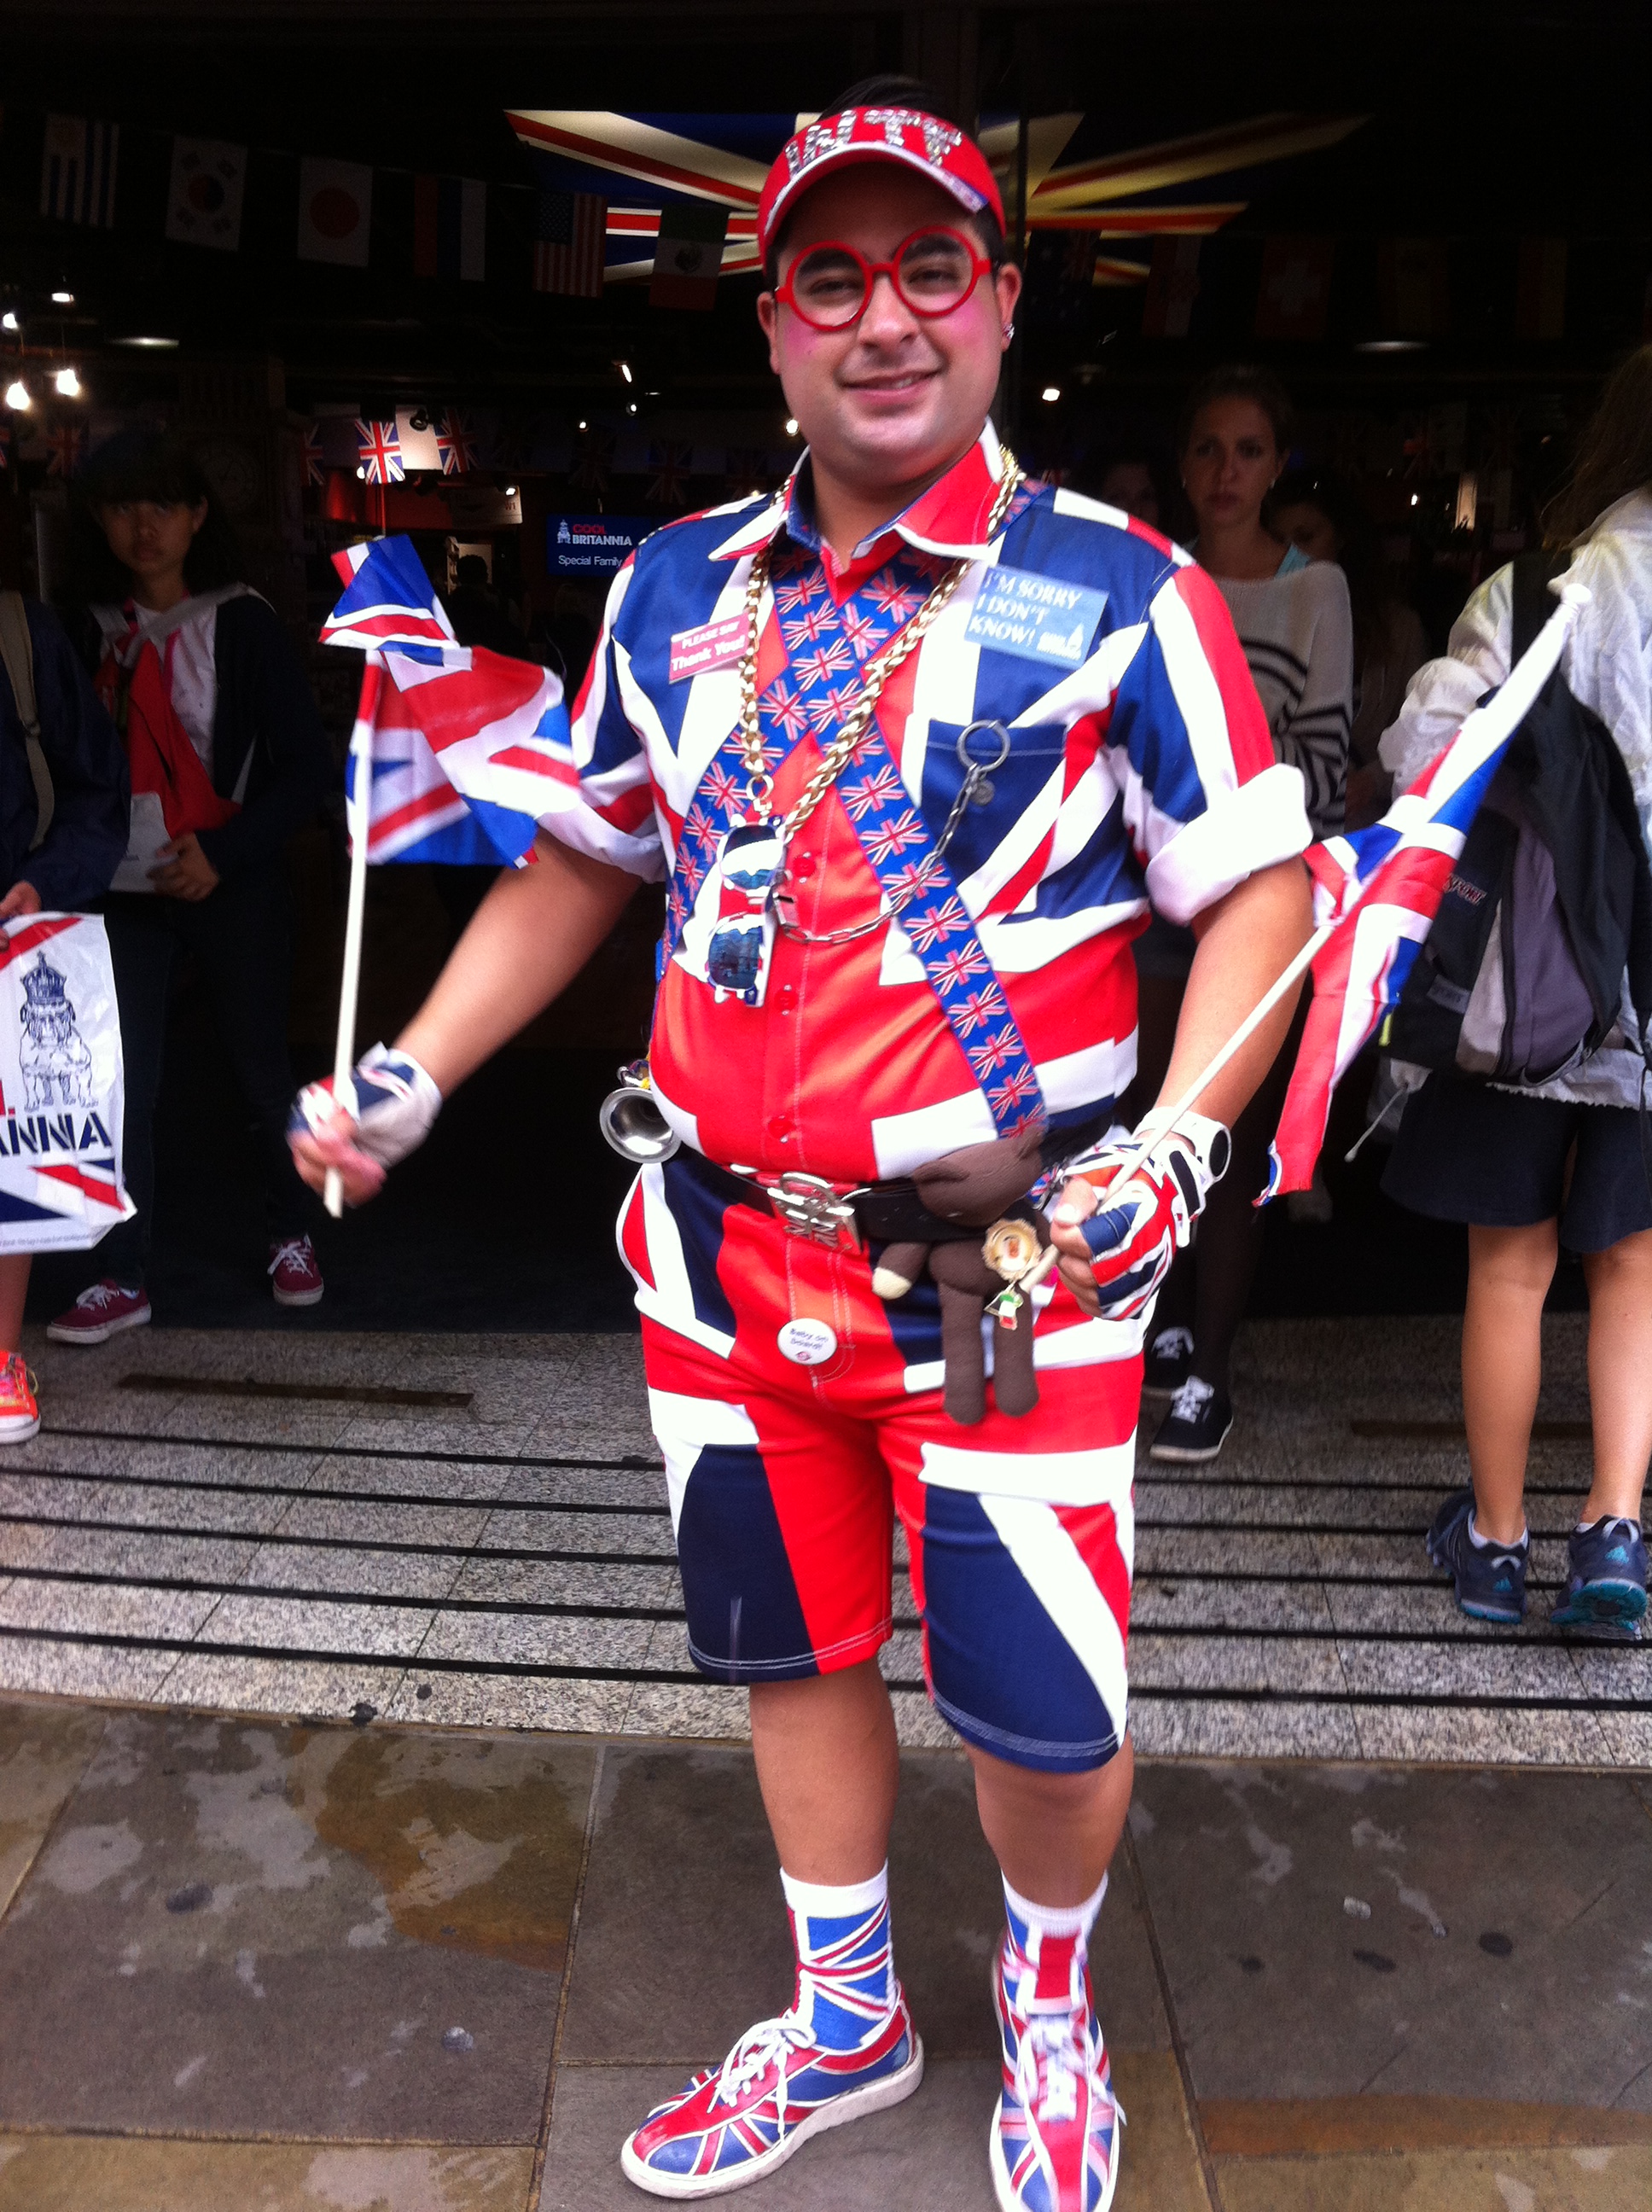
<point>632,1123</point>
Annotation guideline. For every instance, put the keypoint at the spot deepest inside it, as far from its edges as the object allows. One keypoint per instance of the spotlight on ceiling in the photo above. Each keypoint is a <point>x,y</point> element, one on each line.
<point>8,321</point>
<point>791,425</point>
<point>17,397</point>
<point>148,343</point>
<point>510,491</point>
<point>1392,345</point>
<point>624,368</point>
<point>362,475</point>
<point>63,299</point>
<point>1050,394</point>
<point>67,384</point>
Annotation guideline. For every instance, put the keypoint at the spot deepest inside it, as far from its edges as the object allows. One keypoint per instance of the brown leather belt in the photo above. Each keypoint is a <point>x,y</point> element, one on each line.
<point>887,1213</point>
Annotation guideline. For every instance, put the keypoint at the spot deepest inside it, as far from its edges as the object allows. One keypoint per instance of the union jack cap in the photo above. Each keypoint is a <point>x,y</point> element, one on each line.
<point>937,149</point>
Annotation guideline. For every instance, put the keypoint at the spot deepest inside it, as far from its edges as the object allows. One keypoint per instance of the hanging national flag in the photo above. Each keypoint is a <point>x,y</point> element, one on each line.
<point>689,255</point>
<point>670,462</point>
<point>335,211</point>
<point>419,438</point>
<point>592,461</point>
<point>1414,282</point>
<point>450,228</point>
<point>1381,888</point>
<point>571,249</point>
<point>1540,298</point>
<point>470,749</point>
<point>1172,286</point>
<point>456,443</point>
<point>65,448</point>
<point>208,182</point>
<point>1294,298</point>
<point>311,456</point>
<point>381,452</point>
<point>78,163</point>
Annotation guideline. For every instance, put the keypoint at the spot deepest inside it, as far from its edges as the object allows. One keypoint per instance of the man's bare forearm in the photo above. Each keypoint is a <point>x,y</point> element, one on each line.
<point>528,939</point>
<point>1245,942</point>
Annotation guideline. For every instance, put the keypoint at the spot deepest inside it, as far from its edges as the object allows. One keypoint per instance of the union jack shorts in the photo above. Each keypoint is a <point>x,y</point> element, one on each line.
<point>786,1480</point>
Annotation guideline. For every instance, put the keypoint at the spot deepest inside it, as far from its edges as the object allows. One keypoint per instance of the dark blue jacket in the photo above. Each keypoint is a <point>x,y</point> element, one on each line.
<point>91,793</point>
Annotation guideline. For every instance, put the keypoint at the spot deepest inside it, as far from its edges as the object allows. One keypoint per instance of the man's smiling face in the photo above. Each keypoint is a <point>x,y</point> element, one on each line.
<point>897,398</point>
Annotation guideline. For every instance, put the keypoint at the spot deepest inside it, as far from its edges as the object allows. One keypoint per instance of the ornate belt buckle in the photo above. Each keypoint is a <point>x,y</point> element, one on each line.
<point>811,1207</point>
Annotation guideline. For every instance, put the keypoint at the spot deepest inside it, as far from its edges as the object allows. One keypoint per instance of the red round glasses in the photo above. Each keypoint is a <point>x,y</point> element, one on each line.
<point>933,271</point>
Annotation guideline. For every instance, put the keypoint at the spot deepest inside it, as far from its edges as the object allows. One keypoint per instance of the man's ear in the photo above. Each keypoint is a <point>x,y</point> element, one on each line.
<point>1007,285</point>
<point>768,321</point>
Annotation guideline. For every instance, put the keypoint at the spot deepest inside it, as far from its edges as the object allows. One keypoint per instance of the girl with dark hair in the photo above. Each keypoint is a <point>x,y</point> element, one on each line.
<point>228,758</point>
<point>1295,628</point>
<point>1531,1170</point>
<point>1326,519</point>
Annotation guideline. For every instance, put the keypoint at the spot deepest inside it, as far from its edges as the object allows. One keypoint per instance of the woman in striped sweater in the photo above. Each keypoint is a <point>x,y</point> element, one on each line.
<point>1294,624</point>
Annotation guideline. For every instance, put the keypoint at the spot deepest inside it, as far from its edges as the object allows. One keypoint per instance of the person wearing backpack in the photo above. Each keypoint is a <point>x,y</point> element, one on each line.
<point>63,829</point>
<point>1529,1158</point>
<point>228,758</point>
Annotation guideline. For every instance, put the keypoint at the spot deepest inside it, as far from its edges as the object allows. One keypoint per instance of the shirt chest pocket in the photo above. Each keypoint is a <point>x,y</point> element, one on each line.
<point>1014,763</point>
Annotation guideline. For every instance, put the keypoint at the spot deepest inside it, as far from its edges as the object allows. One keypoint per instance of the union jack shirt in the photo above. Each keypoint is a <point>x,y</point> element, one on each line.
<point>1142,778</point>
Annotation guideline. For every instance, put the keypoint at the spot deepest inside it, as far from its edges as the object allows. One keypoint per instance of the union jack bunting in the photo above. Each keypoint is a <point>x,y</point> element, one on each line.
<point>670,462</point>
<point>312,459</point>
<point>381,452</point>
<point>65,448</point>
<point>1382,887</point>
<point>456,443</point>
<point>469,748</point>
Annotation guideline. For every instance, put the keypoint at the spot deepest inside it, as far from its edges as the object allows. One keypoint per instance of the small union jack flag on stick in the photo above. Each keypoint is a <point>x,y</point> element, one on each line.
<point>381,452</point>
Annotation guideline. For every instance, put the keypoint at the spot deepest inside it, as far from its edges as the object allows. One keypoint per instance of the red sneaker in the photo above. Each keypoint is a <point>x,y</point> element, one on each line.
<point>20,1417</point>
<point>98,1314</point>
<point>297,1278</point>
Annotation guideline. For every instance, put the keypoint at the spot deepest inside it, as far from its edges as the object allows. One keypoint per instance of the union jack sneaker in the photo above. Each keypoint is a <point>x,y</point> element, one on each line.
<point>846,2047</point>
<point>20,1417</point>
<point>1055,2140</point>
<point>99,1312</point>
<point>296,1278</point>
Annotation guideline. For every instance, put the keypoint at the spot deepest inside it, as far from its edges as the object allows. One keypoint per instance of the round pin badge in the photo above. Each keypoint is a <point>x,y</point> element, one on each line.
<point>807,1343</point>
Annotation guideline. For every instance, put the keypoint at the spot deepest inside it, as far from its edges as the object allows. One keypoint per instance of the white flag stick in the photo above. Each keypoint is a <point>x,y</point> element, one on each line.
<point>357,809</point>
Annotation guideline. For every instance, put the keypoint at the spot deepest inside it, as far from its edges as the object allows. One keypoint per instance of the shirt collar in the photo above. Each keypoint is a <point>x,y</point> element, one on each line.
<point>950,518</point>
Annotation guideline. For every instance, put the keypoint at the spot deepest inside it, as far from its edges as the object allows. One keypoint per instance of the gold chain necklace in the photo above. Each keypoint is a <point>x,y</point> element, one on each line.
<point>836,757</point>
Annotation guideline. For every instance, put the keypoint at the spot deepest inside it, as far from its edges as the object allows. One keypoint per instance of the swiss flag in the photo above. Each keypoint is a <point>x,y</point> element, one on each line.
<point>1294,296</point>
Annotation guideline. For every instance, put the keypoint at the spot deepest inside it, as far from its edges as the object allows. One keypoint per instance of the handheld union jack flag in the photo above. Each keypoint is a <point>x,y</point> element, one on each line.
<point>469,750</point>
<point>1376,891</point>
<point>381,452</point>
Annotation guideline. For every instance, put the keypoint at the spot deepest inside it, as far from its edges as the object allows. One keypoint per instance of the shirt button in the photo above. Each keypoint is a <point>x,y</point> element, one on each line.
<point>787,997</point>
<point>801,866</point>
<point>780,1127</point>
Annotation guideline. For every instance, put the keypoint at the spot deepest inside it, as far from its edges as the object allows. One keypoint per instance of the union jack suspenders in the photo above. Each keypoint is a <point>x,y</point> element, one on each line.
<point>824,644</point>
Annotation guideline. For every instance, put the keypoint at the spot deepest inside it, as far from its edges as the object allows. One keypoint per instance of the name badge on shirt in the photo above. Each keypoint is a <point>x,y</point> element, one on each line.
<point>713,644</point>
<point>1038,618</point>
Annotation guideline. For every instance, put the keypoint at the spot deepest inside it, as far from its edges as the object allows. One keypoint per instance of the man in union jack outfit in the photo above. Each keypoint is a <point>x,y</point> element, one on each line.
<point>918,745</point>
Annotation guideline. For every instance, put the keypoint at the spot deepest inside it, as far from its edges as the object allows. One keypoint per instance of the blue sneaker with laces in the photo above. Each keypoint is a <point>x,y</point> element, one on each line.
<point>1490,1579</point>
<point>1606,1585</point>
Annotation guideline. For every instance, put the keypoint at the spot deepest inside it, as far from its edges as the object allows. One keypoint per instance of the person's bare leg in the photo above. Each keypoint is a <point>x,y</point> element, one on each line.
<point>1620,1374</point>
<point>14,1291</point>
<point>1053,1834</point>
<point>828,1767</point>
<point>1510,1271</point>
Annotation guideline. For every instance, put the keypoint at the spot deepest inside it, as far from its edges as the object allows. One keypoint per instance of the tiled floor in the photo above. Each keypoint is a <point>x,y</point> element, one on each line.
<point>506,1561</point>
<point>320,1968</point>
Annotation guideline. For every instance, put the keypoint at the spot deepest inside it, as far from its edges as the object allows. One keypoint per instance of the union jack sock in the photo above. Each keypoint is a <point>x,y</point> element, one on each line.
<point>845,2046</point>
<point>1055,2140</point>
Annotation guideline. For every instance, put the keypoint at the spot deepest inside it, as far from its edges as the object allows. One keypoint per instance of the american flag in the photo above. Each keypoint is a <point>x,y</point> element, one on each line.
<point>571,249</point>
<point>456,443</point>
<point>1376,891</point>
<point>381,452</point>
<point>469,749</point>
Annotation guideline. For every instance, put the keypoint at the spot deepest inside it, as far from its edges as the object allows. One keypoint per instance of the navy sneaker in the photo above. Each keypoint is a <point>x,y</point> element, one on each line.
<point>1490,1578</point>
<point>1606,1586</point>
<point>1196,1427</point>
<point>1168,1362</point>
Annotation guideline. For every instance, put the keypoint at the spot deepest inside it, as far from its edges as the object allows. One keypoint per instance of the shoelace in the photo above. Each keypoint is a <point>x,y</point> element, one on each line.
<point>753,2054</point>
<point>1173,1343</point>
<point>102,1294</point>
<point>295,1249</point>
<point>1050,2064</point>
<point>1190,1400</point>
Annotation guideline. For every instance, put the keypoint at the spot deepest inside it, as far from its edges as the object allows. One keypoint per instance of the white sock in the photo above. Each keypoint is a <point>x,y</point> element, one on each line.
<point>1489,1543</point>
<point>1056,1919</point>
